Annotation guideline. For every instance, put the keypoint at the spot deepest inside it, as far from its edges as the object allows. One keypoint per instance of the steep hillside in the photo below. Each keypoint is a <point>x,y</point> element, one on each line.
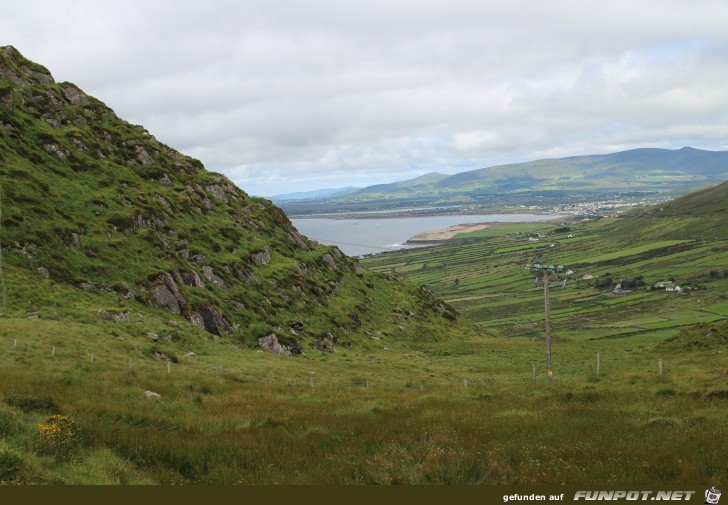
<point>712,201</point>
<point>93,202</point>
<point>697,216</point>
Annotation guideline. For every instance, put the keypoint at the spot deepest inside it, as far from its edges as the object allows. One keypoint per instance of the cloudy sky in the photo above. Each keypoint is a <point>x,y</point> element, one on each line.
<point>290,95</point>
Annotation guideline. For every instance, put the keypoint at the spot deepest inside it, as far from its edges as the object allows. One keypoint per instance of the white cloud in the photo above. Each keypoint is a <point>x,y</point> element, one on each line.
<point>284,95</point>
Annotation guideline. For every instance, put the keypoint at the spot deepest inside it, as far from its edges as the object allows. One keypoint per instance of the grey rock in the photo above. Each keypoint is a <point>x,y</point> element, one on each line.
<point>110,316</point>
<point>271,344</point>
<point>74,95</point>
<point>216,280</point>
<point>299,240</point>
<point>329,260</point>
<point>213,322</point>
<point>326,343</point>
<point>218,192</point>
<point>152,394</point>
<point>168,295</point>
<point>196,319</point>
<point>263,257</point>
<point>157,354</point>
<point>192,279</point>
<point>57,150</point>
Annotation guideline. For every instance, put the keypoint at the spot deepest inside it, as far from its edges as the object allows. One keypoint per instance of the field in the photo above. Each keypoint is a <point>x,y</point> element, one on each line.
<point>452,411</point>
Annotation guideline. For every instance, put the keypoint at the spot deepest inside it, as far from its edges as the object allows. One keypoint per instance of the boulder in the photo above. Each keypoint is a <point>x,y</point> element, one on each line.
<point>326,343</point>
<point>192,278</point>
<point>329,260</point>
<point>157,354</point>
<point>262,257</point>
<point>110,316</point>
<point>74,95</point>
<point>152,394</point>
<point>271,343</point>
<point>215,279</point>
<point>299,240</point>
<point>168,295</point>
<point>210,320</point>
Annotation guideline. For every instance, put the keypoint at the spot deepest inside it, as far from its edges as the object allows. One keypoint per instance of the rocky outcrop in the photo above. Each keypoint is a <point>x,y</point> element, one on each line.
<point>326,343</point>
<point>74,95</point>
<point>263,257</point>
<point>216,280</point>
<point>298,240</point>
<point>271,343</point>
<point>329,260</point>
<point>211,320</point>
<point>168,295</point>
<point>192,279</point>
<point>16,68</point>
<point>111,316</point>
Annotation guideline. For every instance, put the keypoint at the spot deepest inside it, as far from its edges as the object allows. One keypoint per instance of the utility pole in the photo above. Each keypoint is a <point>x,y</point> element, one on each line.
<point>545,271</point>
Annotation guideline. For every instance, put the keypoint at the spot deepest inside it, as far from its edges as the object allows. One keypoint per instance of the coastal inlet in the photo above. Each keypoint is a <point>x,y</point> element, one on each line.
<point>358,237</point>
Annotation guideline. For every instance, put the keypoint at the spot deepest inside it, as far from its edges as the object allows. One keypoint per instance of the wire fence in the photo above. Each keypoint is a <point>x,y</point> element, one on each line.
<point>139,365</point>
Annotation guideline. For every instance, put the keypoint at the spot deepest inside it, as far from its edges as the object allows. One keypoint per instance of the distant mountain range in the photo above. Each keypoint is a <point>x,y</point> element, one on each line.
<point>317,193</point>
<point>638,170</point>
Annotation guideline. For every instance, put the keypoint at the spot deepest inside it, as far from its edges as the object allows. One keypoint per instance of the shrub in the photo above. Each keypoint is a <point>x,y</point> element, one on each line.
<point>10,467</point>
<point>57,436</point>
<point>30,405</point>
<point>11,422</point>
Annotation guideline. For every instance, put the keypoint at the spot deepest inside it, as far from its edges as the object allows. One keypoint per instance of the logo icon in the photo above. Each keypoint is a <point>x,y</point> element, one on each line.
<point>712,495</point>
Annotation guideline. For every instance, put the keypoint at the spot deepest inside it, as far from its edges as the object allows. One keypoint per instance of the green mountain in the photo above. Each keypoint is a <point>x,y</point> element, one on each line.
<point>432,178</point>
<point>95,204</point>
<point>633,170</point>
<point>543,182</point>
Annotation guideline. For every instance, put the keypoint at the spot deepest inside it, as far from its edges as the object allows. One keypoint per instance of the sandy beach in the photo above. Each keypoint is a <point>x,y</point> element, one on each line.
<point>449,233</point>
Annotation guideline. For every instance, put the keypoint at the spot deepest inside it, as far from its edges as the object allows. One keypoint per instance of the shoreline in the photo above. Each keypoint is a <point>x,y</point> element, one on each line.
<point>445,234</point>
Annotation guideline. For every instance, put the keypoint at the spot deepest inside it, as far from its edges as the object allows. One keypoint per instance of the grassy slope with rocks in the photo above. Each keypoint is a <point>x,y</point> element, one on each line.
<point>93,202</point>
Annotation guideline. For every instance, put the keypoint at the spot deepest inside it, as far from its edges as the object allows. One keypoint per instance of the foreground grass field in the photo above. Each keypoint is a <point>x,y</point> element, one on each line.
<point>457,411</point>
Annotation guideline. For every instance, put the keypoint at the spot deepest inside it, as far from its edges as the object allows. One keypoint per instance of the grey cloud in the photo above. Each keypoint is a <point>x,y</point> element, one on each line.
<point>286,95</point>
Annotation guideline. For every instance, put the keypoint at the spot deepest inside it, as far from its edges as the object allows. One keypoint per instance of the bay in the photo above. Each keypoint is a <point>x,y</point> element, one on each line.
<point>357,237</point>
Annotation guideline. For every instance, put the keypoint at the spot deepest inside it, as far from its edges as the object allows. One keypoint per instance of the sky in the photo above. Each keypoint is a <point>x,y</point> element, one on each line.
<point>288,95</point>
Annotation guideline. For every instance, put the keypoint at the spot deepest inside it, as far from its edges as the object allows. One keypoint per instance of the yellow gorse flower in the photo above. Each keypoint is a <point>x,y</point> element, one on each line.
<point>56,432</point>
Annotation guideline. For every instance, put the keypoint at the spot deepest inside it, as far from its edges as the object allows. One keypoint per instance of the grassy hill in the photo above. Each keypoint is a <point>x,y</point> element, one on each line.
<point>628,330</point>
<point>93,202</point>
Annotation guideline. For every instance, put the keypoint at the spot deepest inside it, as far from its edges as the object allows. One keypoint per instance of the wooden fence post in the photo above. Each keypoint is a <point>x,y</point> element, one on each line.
<point>130,364</point>
<point>534,372</point>
<point>93,357</point>
<point>659,364</point>
<point>53,351</point>
<point>598,362</point>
